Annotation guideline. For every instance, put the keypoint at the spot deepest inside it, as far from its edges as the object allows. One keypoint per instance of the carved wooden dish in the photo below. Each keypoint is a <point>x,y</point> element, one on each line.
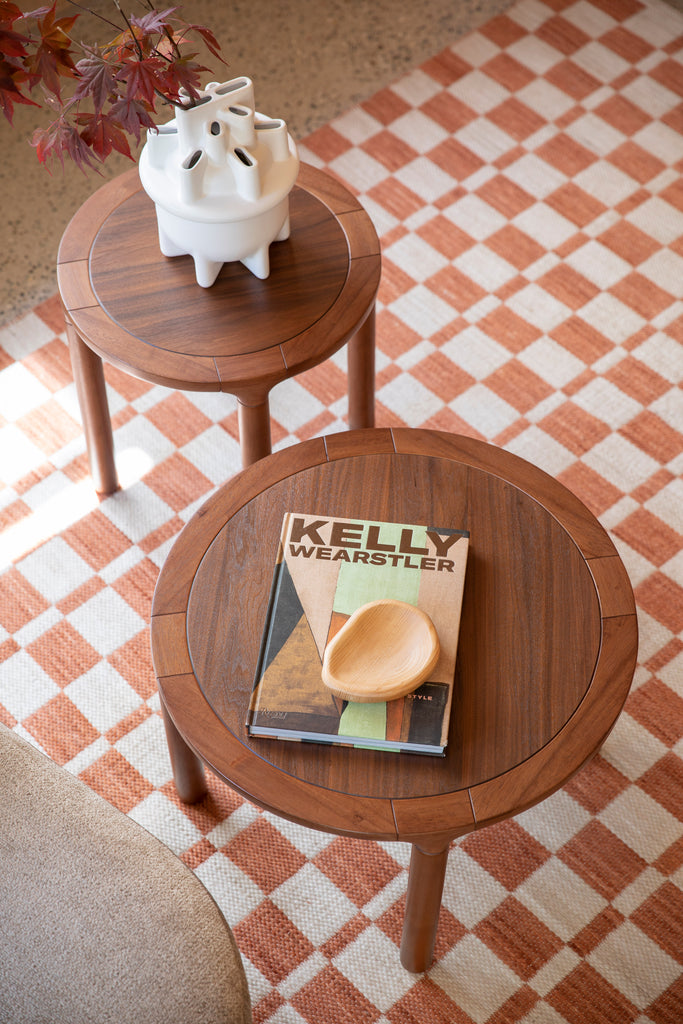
<point>385,650</point>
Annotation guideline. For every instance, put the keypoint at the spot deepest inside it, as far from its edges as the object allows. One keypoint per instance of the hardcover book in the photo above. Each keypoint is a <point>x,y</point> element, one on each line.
<point>326,568</point>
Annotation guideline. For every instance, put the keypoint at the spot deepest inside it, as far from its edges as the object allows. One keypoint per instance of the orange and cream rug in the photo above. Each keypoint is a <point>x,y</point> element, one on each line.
<point>527,184</point>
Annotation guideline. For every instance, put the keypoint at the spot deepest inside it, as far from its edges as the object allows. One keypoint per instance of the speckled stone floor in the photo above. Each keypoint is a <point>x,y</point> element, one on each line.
<point>309,59</point>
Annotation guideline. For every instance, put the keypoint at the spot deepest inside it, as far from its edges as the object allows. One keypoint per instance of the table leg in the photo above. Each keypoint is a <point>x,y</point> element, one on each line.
<point>254,427</point>
<point>423,903</point>
<point>92,398</point>
<point>188,770</point>
<point>361,374</point>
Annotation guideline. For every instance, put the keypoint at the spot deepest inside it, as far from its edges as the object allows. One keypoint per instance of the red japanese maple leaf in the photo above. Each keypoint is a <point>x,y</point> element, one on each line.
<point>59,140</point>
<point>154,22</point>
<point>102,134</point>
<point>182,73</point>
<point>132,115</point>
<point>142,77</point>
<point>209,38</point>
<point>52,58</point>
<point>10,92</point>
<point>115,85</point>
<point>13,51</point>
<point>96,79</point>
<point>12,44</point>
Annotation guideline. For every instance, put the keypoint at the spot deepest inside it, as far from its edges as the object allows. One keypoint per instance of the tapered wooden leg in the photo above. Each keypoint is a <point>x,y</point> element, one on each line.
<point>254,427</point>
<point>361,373</point>
<point>92,398</point>
<point>423,903</point>
<point>188,770</point>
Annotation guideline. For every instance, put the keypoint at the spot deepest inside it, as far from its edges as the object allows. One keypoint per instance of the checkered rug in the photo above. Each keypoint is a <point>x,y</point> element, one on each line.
<point>527,184</point>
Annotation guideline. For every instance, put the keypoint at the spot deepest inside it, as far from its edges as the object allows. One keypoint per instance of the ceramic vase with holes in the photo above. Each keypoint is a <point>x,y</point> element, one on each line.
<point>220,175</point>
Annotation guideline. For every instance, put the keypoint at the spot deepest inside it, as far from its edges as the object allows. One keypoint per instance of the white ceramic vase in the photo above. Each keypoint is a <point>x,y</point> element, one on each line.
<point>220,175</point>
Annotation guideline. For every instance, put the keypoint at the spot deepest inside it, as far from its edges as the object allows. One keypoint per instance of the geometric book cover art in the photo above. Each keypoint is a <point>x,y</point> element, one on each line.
<point>326,569</point>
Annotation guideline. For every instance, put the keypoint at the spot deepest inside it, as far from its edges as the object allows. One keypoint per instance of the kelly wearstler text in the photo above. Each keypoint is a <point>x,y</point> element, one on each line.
<point>362,542</point>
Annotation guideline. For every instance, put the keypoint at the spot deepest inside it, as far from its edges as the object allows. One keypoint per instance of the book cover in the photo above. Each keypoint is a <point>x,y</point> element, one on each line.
<point>325,569</point>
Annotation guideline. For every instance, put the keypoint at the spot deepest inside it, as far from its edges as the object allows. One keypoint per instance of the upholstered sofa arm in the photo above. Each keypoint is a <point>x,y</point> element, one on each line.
<point>99,921</point>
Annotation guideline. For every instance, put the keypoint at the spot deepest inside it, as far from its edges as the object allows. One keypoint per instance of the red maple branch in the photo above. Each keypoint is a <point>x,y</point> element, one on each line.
<point>114,88</point>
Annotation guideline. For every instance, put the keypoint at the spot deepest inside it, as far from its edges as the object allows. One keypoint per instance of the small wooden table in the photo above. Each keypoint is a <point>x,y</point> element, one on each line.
<point>547,650</point>
<point>128,305</point>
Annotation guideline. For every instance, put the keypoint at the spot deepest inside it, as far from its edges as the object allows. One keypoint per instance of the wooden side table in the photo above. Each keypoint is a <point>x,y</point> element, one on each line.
<point>128,305</point>
<point>548,644</point>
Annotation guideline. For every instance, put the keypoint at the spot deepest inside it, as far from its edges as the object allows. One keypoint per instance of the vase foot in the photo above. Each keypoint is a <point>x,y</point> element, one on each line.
<point>283,234</point>
<point>258,263</point>
<point>169,248</point>
<point>206,271</point>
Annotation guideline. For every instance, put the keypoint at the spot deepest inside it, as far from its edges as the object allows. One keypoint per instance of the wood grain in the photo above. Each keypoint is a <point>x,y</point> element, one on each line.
<point>534,646</point>
<point>581,737</point>
<point>525,583</point>
<point>146,314</point>
<point>169,649</point>
<point>156,323</point>
<point>133,283</point>
<point>341,813</point>
<point>74,284</point>
<point>548,643</point>
<point>193,542</point>
<point>78,237</point>
<point>117,347</point>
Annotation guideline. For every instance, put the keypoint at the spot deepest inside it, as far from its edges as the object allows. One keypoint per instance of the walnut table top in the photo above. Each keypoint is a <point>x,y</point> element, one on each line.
<point>547,648</point>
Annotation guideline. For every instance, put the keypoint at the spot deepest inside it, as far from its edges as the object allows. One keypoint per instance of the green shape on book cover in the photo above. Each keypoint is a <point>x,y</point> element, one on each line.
<point>364,721</point>
<point>357,586</point>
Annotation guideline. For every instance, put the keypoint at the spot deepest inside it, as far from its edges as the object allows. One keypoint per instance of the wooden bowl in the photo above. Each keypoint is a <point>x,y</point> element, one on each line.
<point>385,650</point>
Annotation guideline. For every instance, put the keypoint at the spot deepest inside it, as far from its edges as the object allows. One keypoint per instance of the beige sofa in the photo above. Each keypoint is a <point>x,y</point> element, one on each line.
<point>100,923</point>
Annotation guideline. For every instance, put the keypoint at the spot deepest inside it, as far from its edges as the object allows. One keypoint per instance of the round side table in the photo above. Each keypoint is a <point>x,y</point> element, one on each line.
<point>128,305</point>
<point>547,648</point>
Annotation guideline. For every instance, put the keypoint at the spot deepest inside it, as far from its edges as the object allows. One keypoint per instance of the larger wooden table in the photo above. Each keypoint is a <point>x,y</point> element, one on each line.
<point>547,649</point>
<point>128,305</point>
